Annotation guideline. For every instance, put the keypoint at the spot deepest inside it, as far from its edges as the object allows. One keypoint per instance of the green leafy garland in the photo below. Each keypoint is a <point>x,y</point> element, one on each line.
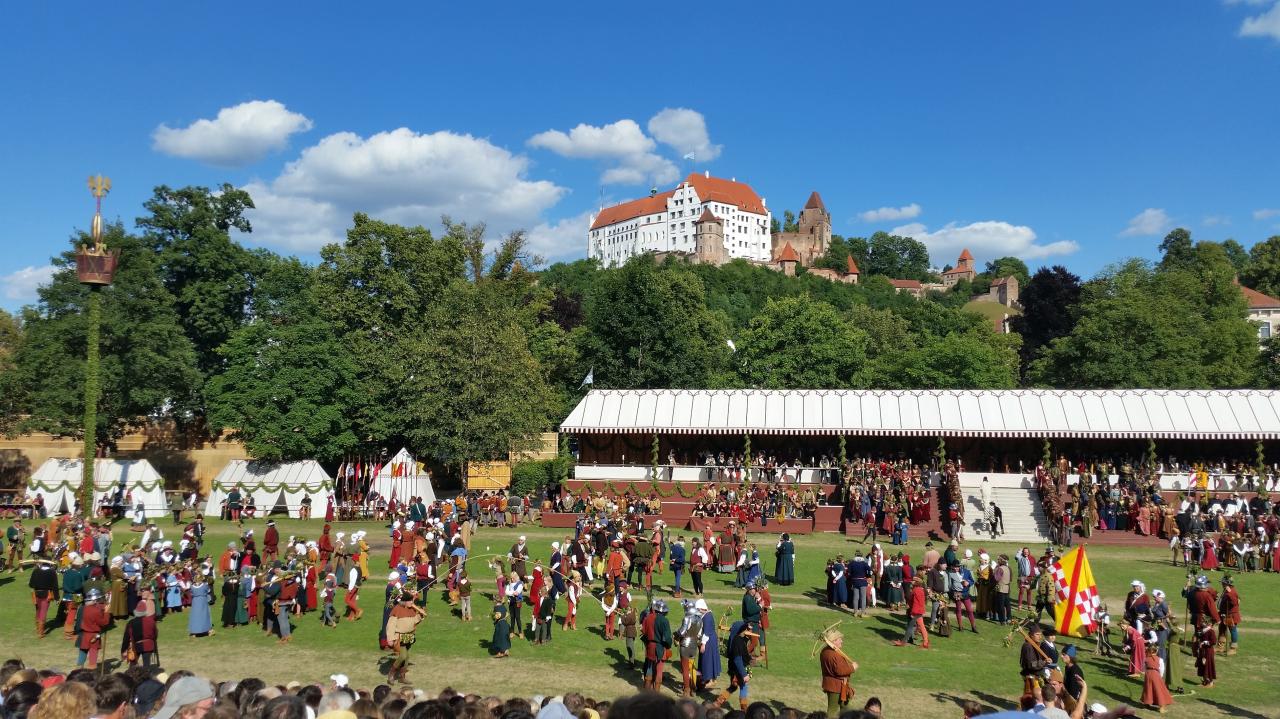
<point>1261,460</point>
<point>262,487</point>
<point>54,486</point>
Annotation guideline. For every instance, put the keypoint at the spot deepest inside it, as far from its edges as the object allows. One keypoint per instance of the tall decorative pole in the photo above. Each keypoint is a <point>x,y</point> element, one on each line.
<point>96,267</point>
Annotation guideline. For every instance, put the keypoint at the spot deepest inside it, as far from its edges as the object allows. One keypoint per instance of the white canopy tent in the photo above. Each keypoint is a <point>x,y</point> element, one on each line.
<point>409,483</point>
<point>1035,413</point>
<point>59,479</point>
<point>274,486</point>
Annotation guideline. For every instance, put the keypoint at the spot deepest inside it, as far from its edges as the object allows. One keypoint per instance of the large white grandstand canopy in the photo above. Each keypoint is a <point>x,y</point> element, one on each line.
<point>1119,413</point>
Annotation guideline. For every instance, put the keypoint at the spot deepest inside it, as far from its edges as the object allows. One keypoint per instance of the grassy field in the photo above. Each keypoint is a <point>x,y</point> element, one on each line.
<point>911,682</point>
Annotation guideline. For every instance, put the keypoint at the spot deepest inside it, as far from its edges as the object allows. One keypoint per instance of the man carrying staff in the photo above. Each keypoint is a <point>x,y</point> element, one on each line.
<point>837,667</point>
<point>1032,662</point>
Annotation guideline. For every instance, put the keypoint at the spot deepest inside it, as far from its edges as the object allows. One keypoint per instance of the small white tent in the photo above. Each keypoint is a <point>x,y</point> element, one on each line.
<point>58,480</point>
<point>400,476</point>
<point>274,486</point>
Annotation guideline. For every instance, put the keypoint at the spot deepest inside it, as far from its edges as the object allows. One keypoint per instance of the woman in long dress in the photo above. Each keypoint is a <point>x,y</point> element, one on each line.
<point>230,599</point>
<point>784,571</point>
<point>500,644</point>
<point>709,658</point>
<point>200,621</point>
<point>1154,692</point>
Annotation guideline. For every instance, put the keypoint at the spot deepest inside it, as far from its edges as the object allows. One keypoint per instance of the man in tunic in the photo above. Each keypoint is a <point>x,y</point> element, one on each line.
<point>44,589</point>
<point>656,630</point>
<point>837,667</point>
<point>94,619</point>
<point>271,543</point>
<point>1229,611</point>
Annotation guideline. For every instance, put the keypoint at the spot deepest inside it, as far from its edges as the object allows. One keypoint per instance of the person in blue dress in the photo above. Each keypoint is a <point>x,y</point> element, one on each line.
<point>709,657</point>
<point>754,572</point>
<point>784,571</point>
<point>172,593</point>
<point>839,591</point>
<point>200,620</point>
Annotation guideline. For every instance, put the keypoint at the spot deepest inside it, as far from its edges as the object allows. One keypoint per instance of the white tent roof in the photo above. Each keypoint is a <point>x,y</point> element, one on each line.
<point>413,485</point>
<point>59,476</point>
<point>1123,413</point>
<point>272,484</point>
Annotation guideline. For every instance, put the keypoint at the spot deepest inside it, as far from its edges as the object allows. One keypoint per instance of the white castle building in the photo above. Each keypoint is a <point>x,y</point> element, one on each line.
<point>665,222</point>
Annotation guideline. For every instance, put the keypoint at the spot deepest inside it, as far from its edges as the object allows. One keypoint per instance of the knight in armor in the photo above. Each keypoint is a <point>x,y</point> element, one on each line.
<point>689,636</point>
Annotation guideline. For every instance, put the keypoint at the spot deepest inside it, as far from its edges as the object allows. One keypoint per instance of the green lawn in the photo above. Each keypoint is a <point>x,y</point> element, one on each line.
<point>911,682</point>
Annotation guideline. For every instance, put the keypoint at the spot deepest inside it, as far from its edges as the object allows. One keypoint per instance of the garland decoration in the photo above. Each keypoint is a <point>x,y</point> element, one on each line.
<point>64,484</point>
<point>262,487</point>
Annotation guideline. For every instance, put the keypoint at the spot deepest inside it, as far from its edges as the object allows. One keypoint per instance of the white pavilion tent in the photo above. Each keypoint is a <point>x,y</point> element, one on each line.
<point>59,479</point>
<point>1101,414</point>
<point>274,486</point>
<point>410,483</point>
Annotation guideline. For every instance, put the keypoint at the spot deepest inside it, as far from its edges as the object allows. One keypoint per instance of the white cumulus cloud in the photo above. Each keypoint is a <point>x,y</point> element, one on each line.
<point>882,214</point>
<point>1215,220</point>
<point>1265,213</point>
<point>988,239</point>
<point>557,240</point>
<point>239,135</point>
<point>631,156</point>
<point>1265,25</point>
<point>685,131</point>
<point>1151,221</point>
<point>20,285</point>
<point>400,176</point>
<point>621,139</point>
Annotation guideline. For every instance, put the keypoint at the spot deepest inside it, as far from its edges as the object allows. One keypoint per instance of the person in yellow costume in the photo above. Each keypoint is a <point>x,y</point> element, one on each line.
<point>362,554</point>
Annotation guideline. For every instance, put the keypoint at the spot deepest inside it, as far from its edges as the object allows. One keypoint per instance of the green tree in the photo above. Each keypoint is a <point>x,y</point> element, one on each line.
<point>1006,267</point>
<point>1237,254</point>
<point>147,368</point>
<point>1139,327</point>
<point>1048,311</point>
<point>287,383</point>
<point>897,257</point>
<point>1177,251</point>
<point>209,275</point>
<point>649,326</point>
<point>475,391</point>
<point>789,223</point>
<point>1263,273</point>
<point>10,339</point>
<point>961,360</point>
<point>797,343</point>
<point>379,289</point>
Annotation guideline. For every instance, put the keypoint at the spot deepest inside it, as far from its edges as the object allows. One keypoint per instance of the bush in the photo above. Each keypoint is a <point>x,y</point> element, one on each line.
<point>531,476</point>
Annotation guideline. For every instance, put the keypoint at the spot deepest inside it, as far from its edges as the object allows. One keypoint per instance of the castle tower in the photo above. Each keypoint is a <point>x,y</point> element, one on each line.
<point>815,222</point>
<point>708,240</point>
<point>965,262</point>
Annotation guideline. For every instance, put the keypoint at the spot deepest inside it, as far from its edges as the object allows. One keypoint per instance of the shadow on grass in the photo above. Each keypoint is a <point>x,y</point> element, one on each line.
<point>960,701</point>
<point>1233,711</point>
<point>993,700</point>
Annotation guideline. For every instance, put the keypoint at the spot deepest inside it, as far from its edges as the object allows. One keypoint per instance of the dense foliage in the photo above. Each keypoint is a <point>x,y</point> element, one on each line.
<point>459,347</point>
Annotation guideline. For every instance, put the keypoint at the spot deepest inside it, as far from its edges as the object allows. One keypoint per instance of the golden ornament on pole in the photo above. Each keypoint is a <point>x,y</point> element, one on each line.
<point>95,264</point>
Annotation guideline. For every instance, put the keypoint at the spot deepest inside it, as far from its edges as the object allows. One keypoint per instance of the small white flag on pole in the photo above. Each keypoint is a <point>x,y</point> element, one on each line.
<point>691,156</point>
<point>732,346</point>
<point>590,379</point>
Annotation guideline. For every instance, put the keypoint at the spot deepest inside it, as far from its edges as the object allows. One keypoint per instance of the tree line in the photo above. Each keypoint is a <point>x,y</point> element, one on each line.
<point>461,346</point>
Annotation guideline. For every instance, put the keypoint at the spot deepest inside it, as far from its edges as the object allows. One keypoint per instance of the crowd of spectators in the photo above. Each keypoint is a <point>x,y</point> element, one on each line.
<point>152,693</point>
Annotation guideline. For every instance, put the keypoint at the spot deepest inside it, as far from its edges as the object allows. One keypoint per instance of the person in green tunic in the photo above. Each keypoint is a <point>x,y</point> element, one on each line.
<point>893,577</point>
<point>751,606</point>
<point>500,645</point>
<point>784,572</point>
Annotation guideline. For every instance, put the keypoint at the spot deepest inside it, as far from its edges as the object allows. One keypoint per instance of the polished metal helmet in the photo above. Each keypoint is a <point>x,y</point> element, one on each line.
<point>1202,582</point>
<point>93,595</point>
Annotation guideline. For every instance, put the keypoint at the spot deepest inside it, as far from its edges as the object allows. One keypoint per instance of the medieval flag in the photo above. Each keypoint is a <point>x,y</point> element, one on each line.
<point>1077,594</point>
<point>590,379</point>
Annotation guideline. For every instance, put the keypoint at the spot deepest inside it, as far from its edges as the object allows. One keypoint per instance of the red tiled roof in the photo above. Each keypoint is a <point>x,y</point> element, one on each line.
<point>707,216</point>
<point>852,267</point>
<point>965,255</point>
<point>729,192</point>
<point>633,209</point>
<point>815,202</point>
<point>1002,281</point>
<point>906,284</point>
<point>1257,300</point>
<point>958,271</point>
<point>787,254</point>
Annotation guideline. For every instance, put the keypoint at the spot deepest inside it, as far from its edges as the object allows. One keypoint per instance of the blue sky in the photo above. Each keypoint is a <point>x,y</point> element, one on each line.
<point>1075,133</point>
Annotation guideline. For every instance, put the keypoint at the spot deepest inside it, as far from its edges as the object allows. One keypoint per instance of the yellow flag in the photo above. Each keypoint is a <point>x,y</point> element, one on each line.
<point>1077,594</point>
